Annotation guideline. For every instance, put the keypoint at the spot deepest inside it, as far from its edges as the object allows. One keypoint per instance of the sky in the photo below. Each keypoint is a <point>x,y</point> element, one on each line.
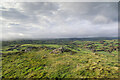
<point>38,20</point>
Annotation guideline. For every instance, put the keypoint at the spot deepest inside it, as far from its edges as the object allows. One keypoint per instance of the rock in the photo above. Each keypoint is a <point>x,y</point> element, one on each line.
<point>58,51</point>
<point>62,50</point>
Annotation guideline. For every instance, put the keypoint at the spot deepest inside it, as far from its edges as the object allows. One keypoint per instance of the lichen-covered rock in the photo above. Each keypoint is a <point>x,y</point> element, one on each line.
<point>61,50</point>
<point>58,51</point>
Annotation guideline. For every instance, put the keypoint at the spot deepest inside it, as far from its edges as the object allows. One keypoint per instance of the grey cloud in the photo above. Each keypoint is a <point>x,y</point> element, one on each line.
<point>13,14</point>
<point>58,20</point>
<point>90,10</point>
<point>45,8</point>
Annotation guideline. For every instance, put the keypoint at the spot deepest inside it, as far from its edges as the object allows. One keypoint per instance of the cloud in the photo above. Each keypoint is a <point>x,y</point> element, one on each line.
<point>39,8</point>
<point>101,19</point>
<point>13,14</point>
<point>59,20</point>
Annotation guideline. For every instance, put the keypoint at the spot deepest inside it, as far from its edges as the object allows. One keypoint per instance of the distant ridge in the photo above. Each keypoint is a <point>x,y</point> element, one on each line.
<point>89,38</point>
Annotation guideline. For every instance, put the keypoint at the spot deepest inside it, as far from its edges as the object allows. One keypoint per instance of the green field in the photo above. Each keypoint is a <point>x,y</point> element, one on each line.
<point>76,59</point>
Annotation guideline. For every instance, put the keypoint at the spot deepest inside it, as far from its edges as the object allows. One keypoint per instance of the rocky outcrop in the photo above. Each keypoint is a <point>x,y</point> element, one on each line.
<point>61,50</point>
<point>58,51</point>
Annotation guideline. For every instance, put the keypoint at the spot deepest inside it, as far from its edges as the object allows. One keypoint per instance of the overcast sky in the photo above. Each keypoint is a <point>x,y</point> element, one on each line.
<point>37,20</point>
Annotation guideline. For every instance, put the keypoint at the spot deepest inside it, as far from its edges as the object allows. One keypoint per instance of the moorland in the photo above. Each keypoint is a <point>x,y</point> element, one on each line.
<point>60,58</point>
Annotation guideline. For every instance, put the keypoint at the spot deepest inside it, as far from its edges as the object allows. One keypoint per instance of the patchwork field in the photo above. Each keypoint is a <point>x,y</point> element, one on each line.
<point>60,59</point>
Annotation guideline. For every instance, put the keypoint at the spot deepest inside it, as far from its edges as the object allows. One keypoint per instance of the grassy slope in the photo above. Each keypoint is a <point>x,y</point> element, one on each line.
<point>40,64</point>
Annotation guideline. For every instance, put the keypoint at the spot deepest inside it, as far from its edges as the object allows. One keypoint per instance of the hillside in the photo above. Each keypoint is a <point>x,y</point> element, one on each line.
<point>62,58</point>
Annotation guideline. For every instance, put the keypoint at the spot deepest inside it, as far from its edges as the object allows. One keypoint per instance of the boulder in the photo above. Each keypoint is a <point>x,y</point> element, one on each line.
<point>58,51</point>
<point>61,50</point>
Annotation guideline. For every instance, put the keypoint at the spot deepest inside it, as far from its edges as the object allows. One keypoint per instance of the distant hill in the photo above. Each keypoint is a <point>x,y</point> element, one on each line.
<point>54,41</point>
<point>91,39</point>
